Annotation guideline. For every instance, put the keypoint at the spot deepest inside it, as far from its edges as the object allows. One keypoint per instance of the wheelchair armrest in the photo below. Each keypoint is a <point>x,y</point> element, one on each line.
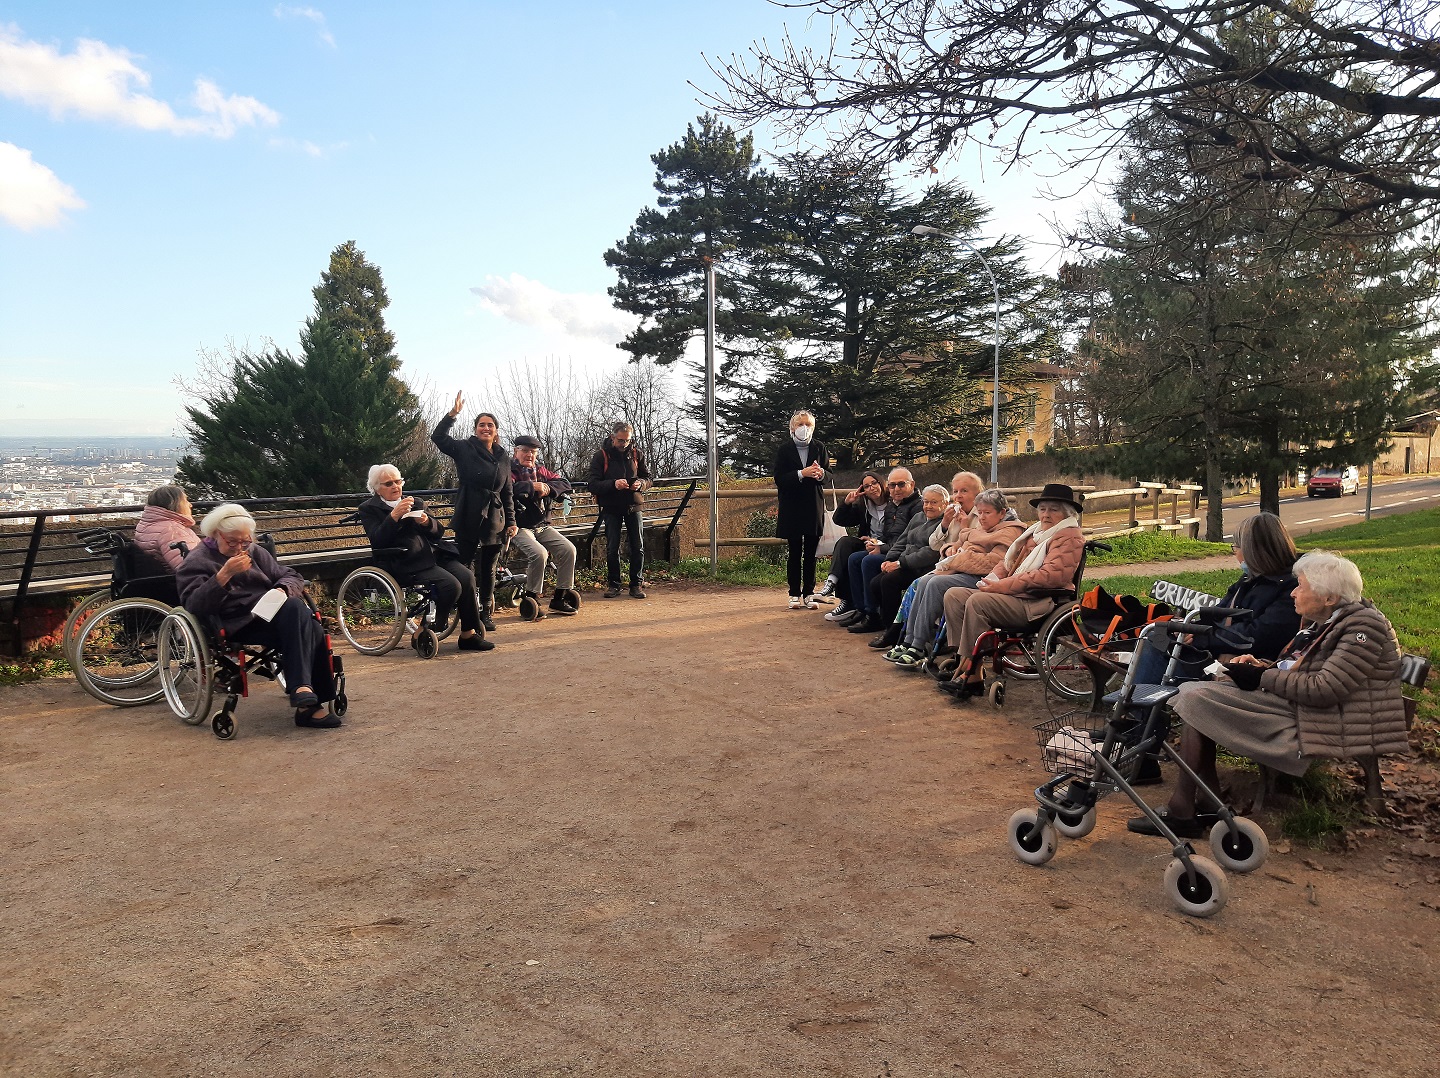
<point>100,540</point>
<point>1092,545</point>
<point>1061,595</point>
<point>351,518</point>
<point>1213,615</point>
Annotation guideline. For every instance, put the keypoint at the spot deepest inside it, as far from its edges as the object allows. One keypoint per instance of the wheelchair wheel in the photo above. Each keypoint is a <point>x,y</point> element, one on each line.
<point>1206,896</point>
<point>1060,654</point>
<point>1017,662</point>
<point>223,724</point>
<point>115,655</point>
<point>996,694</point>
<point>370,608</point>
<point>427,644</point>
<point>529,606</point>
<point>186,671</point>
<point>88,608</point>
<point>1032,842</point>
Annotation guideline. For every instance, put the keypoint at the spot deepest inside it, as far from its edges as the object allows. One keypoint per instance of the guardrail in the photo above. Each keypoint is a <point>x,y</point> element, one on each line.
<point>39,553</point>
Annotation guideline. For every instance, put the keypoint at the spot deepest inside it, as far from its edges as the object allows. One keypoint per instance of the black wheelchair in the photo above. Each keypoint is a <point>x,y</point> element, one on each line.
<point>375,610</point>
<point>110,639</point>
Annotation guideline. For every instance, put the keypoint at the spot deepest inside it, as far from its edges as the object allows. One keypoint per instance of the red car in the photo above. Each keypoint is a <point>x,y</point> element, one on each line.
<point>1336,481</point>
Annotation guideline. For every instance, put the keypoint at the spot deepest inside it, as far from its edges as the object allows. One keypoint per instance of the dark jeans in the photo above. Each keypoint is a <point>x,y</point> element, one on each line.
<point>800,565</point>
<point>840,563</point>
<point>304,658</point>
<point>488,555</point>
<point>634,527</point>
<point>863,568</point>
<point>886,591</point>
<point>450,581</point>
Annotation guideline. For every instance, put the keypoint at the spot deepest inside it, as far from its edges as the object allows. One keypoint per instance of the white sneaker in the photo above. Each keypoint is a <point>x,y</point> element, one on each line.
<point>839,612</point>
<point>796,603</point>
<point>809,603</point>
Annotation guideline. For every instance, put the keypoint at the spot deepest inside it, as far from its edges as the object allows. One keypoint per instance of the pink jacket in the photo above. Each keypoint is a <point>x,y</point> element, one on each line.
<point>1062,558</point>
<point>157,528</point>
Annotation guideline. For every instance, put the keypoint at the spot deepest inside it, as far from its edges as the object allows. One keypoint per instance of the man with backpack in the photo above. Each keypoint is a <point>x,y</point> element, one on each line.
<point>618,480</point>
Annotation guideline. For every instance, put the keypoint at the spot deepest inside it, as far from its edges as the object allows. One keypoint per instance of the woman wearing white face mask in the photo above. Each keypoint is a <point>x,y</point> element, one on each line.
<point>800,465</point>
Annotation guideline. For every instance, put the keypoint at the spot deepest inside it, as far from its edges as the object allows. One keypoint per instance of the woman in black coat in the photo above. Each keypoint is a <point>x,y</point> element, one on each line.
<point>394,522</point>
<point>800,465</point>
<point>485,507</point>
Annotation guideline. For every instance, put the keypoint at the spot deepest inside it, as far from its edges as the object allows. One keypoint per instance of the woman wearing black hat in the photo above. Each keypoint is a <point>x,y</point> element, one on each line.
<point>1017,591</point>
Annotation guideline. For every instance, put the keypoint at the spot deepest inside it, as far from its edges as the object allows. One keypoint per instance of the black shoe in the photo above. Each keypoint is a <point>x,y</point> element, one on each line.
<point>849,618</point>
<point>889,638</point>
<point>1184,827</point>
<point>304,701</point>
<point>1149,773</point>
<point>962,690</point>
<point>487,618</point>
<point>559,604</point>
<point>865,624</point>
<point>474,643</point>
<point>307,716</point>
<point>614,591</point>
<point>635,592</point>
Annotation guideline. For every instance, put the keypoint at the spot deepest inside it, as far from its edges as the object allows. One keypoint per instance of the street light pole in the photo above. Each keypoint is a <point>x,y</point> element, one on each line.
<point>927,230</point>
<point>712,449</point>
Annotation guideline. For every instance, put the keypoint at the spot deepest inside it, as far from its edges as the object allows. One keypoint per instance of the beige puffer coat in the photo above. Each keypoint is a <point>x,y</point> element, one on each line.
<point>1346,687</point>
<point>980,551</point>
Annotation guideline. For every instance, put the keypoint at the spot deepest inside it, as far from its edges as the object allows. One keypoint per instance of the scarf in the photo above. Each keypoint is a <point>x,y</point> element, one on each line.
<point>1036,557</point>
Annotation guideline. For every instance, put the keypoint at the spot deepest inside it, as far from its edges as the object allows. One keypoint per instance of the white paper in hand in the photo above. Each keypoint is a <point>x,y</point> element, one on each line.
<point>269,604</point>
<point>414,514</point>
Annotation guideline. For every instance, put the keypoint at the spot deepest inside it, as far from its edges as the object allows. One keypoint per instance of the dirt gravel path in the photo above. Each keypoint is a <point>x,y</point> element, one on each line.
<point>699,835</point>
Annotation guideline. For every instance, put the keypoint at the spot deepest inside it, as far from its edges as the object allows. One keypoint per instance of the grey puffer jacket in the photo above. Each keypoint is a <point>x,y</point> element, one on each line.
<point>1346,687</point>
<point>913,550</point>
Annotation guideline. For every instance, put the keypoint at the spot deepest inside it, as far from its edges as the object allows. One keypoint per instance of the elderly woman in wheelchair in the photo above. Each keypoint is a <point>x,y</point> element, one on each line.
<point>248,597</point>
<point>406,541</point>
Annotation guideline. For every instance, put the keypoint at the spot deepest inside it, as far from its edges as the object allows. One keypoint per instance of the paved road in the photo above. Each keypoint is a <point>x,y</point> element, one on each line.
<point>1303,514</point>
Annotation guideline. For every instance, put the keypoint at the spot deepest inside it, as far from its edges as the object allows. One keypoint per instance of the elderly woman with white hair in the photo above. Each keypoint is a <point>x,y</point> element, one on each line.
<point>799,472</point>
<point>406,541</point>
<point>226,575</point>
<point>1334,692</point>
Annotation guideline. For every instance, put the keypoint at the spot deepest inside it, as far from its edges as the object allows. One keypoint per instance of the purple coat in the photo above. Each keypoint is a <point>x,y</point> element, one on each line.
<point>203,595</point>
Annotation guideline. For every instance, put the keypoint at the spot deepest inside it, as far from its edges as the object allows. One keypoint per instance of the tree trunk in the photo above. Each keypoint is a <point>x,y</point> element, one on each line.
<point>1270,471</point>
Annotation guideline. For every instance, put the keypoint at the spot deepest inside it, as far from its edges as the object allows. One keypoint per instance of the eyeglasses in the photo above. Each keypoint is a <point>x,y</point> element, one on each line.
<point>391,482</point>
<point>902,483</point>
<point>243,544</point>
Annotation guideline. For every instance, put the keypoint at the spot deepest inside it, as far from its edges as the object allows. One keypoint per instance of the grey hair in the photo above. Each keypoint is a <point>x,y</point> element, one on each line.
<point>227,518</point>
<point>1070,510</point>
<point>619,425</point>
<point>1331,576</point>
<point>802,413</point>
<point>994,498</point>
<point>906,473</point>
<point>975,480</point>
<point>377,473</point>
<point>936,488</point>
<point>167,497</point>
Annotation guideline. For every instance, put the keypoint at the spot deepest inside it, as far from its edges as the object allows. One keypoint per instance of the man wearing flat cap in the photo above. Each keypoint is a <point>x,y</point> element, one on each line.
<point>536,490</point>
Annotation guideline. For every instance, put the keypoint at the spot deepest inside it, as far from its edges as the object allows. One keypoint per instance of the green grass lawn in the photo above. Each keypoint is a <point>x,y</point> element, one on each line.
<point>1141,546</point>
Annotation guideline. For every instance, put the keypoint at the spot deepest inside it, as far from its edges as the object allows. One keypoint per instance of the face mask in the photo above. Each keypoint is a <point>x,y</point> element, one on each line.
<point>803,433</point>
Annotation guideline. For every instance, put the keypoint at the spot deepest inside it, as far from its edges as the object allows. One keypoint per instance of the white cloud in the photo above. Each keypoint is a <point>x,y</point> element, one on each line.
<point>98,82</point>
<point>31,196</point>
<point>285,11</point>
<point>307,147</point>
<point>584,315</point>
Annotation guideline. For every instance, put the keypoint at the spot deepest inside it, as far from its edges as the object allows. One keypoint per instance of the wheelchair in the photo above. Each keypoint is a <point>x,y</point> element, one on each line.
<point>510,590</point>
<point>110,639</point>
<point>374,610</point>
<point>1036,651</point>
<point>196,660</point>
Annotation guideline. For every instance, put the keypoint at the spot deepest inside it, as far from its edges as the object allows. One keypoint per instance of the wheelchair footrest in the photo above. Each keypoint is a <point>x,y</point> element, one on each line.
<point>1143,695</point>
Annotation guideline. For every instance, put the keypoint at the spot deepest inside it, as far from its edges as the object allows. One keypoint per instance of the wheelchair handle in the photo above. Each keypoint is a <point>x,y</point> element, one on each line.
<point>1211,615</point>
<point>100,540</point>
<point>1096,544</point>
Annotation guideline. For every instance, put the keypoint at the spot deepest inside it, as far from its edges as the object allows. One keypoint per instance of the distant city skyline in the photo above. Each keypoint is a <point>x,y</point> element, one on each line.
<point>173,178</point>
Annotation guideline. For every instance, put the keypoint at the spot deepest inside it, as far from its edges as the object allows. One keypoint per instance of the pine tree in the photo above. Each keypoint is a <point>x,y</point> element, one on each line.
<point>351,296</point>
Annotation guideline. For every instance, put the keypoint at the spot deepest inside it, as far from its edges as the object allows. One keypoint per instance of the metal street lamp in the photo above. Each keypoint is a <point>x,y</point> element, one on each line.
<point>927,230</point>
<point>712,448</point>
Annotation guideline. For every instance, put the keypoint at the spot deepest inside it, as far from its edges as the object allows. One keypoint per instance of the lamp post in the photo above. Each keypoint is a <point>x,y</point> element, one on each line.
<point>927,230</point>
<point>712,449</point>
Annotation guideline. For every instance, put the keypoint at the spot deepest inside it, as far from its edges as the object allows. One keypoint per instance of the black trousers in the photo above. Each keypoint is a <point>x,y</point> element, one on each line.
<point>886,591</point>
<point>844,547</point>
<point>800,565</point>
<point>488,555</point>
<point>451,582</point>
<point>304,658</point>
<point>634,525</point>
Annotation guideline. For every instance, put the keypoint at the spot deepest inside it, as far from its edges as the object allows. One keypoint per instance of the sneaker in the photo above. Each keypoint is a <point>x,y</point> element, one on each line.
<point>850,618</point>
<point>828,591</point>
<point>893,655</point>
<point>635,592</point>
<point>560,605</point>
<point>796,603</point>
<point>614,591</point>
<point>910,659</point>
<point>841,611</point>
<point>809,602</point>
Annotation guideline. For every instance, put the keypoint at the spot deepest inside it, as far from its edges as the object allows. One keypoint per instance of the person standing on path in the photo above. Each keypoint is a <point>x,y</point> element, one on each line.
<point>618,480</point>
<point>800,464</point>
<point>485,507</point>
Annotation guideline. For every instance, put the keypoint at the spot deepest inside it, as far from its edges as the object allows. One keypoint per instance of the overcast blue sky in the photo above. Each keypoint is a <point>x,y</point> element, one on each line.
<point>174,176</point>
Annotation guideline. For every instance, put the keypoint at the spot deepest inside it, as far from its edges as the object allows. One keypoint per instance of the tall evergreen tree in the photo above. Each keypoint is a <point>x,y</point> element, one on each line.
<point>276,425</point>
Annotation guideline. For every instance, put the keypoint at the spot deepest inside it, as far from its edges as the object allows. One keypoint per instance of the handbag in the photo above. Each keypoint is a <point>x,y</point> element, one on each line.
<point>830,534</point>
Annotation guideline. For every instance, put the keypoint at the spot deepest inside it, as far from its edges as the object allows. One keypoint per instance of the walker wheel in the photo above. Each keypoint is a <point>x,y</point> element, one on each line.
<point>223,725</point>
<point>996,694</point>
<point>529,607</point>
<point>427,644</point>
<point>1032,841</point>
<point>1206,895</point>
<point>340,704</point>
<point>1076,826</point>
<point>1244,851</point>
